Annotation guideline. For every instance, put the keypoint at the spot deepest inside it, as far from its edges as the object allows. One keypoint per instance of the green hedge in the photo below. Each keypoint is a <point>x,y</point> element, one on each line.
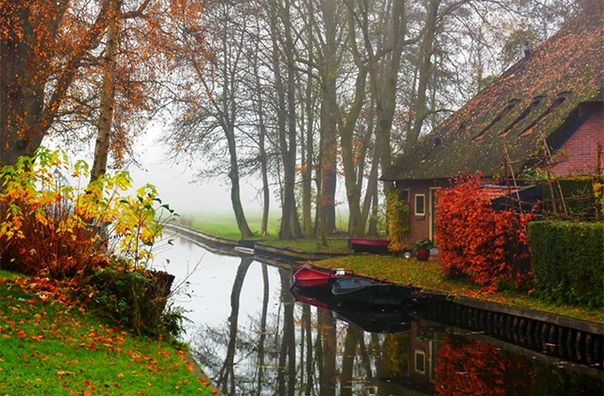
<point>568,261</point>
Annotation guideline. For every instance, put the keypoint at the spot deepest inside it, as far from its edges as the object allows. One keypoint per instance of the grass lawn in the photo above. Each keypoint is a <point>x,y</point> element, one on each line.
<point>48,347</point>
<point>429,275</point>
<point>223,224</point>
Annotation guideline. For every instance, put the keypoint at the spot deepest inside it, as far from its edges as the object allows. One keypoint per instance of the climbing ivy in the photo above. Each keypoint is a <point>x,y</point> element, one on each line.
<point>398,221</point>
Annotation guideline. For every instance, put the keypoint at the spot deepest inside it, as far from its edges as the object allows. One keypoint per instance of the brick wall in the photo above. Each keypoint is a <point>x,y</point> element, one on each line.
<point>420,225</point>
<point>579,155</point>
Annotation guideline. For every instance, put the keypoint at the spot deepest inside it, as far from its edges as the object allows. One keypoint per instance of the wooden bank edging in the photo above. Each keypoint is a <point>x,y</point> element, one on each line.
<point>262,250</point>
<point>541,316</point>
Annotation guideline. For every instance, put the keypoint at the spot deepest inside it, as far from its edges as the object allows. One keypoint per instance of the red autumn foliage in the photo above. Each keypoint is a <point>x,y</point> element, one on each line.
<point>485,246</point>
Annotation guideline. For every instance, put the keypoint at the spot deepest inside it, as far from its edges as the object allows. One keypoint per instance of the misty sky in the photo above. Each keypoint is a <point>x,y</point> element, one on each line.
<point>176,182</point>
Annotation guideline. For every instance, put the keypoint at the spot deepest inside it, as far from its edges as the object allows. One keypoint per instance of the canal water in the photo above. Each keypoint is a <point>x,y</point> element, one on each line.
<point>252,337</point>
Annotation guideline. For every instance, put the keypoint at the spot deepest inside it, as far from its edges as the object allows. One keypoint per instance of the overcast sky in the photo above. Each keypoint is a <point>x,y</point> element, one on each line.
<point>176,183</point>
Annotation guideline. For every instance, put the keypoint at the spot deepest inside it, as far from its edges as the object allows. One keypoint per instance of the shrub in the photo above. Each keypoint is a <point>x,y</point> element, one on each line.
<point>53,229</point>
<point>568,261</point>
<point>476,242</point>
<point>49,226</point>
<point>135,298</point>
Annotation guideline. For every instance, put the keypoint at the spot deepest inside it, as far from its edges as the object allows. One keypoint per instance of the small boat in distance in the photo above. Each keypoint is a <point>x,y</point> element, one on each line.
<point>244,250</point>
<point>369,245</point>
<point>308,276</point>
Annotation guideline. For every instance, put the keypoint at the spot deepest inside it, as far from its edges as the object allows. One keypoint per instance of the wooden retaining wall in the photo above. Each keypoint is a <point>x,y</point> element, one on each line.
<point>570,339</point>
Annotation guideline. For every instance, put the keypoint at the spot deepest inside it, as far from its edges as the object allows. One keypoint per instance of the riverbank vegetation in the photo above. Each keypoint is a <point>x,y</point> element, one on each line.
<point>87,315</point>
<point>50,345</point>
<point>91,234</point>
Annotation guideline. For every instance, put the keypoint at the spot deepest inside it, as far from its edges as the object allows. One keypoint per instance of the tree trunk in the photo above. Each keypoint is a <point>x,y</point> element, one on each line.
<point>22,84</point>
<point>386,99</point>
<point>308,153</point>
<point>352,179</point>
<point>425,73</point>
<point>101,150</point>
<point>286,115</point>
<point>329,122</point>
<point>262,148</point>
<point>244,228</point>
<point>26,51</point>
<point>356,227</point>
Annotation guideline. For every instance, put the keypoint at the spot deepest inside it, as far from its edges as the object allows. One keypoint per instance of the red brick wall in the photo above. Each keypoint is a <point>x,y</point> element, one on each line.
<point>419,225</point>
<point>579,155</point>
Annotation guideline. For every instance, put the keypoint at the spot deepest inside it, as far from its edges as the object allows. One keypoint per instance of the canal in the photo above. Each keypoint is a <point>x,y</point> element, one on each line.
<point>251,336</point>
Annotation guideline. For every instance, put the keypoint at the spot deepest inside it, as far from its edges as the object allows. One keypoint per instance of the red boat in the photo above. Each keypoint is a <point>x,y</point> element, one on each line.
<point>369,245</point>
<point>308,276</point>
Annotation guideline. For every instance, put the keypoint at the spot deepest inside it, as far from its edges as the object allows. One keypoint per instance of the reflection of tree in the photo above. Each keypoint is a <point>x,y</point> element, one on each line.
<point>306,360</point>
<point>326,346</point>
<point>300,350</point>
<point>287,353</point>
<point>226,374</point>
<point>263,330</point>
<point>353,335</point>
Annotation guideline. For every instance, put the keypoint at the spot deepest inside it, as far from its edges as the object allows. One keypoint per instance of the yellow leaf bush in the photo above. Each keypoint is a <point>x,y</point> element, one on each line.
<point>53,227</point>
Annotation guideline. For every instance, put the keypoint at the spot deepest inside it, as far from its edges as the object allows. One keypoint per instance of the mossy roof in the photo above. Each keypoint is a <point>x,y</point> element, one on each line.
<point>536,98</point>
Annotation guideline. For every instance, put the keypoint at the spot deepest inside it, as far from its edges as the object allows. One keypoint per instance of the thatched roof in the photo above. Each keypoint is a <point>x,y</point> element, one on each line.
<point>537,97</point>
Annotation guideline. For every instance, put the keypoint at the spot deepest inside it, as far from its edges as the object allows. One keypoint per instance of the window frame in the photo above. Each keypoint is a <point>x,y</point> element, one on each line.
<point>423,206</point>
<point>419,353</point>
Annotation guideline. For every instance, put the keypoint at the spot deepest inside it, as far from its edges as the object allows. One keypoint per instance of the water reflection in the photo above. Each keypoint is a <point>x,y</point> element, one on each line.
<point>252,337</point>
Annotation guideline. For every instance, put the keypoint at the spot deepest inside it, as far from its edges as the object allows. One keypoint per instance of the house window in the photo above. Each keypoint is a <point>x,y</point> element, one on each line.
<point>420,362</point>
<point>420,204</point>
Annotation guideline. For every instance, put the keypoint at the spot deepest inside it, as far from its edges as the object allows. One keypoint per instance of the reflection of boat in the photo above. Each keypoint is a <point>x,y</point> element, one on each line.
<point>308,276</point>
<point>368,245</point>
<point>368,291</point>
<point>321,301</point>
<point>375,320</point>
<point>371,318</point>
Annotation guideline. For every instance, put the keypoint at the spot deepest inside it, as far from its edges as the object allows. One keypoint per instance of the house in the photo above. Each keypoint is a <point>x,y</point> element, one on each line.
<point>553,96</point>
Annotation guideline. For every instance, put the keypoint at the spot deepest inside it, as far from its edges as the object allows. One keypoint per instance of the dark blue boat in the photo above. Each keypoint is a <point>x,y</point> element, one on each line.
<point>371,292</point>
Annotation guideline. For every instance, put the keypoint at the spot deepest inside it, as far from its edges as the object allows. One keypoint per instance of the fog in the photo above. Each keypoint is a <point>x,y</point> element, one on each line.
<point>176,183</point>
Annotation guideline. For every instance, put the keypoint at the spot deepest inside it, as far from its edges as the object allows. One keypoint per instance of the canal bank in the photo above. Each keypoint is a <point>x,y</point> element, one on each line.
<point>562,336</point>
<point>247,327</point>
<point>290,257</point>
